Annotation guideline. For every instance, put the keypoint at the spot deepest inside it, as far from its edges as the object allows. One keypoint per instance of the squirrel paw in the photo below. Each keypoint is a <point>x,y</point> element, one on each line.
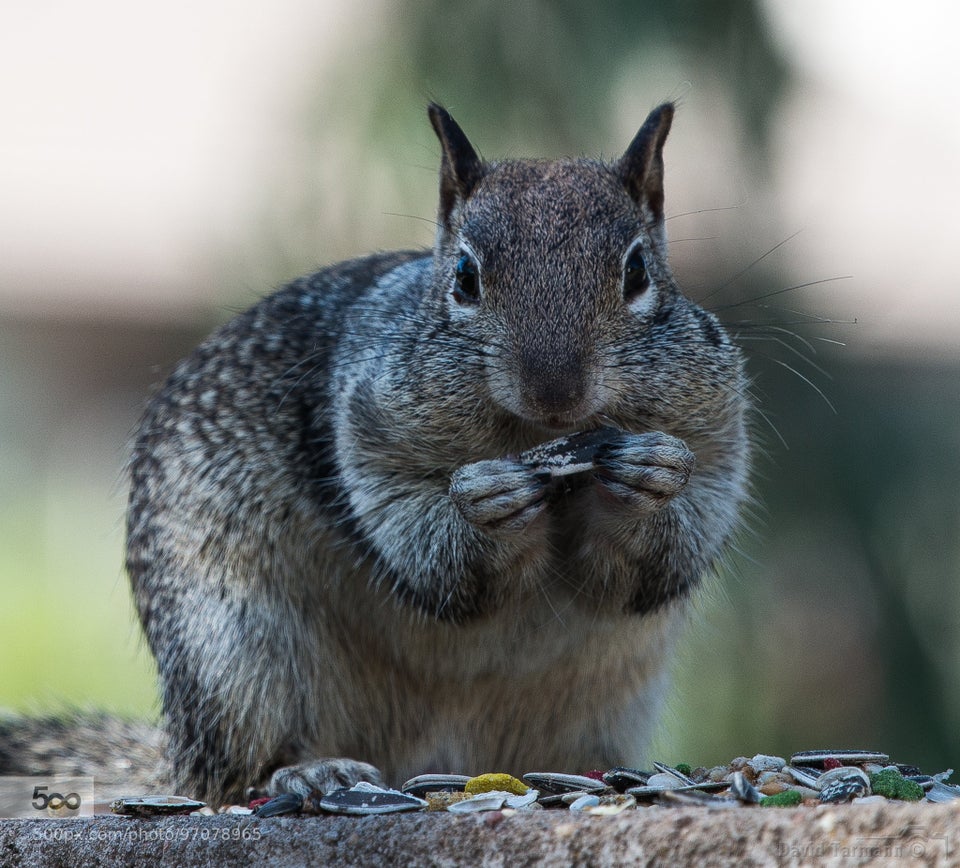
<point>644,470</point>
<point>499,494</point>
<point>325,775</point>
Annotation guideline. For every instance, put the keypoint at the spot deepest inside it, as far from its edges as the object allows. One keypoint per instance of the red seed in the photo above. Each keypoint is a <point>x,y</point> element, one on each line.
<point>595,774</point>
<point>831,763</point>
<point>256,803</point>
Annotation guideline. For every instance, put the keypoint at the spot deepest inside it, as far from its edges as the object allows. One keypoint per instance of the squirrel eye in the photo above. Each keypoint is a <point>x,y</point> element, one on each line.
<point>636,281</point>
<point>467,289</point>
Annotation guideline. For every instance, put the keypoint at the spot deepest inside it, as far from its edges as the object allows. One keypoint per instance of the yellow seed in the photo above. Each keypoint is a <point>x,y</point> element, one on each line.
<point>496,781</point>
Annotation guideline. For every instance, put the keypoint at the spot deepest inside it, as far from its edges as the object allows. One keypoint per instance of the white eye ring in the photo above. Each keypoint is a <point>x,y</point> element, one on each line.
<point>466,285</point>
<point>638,288</point>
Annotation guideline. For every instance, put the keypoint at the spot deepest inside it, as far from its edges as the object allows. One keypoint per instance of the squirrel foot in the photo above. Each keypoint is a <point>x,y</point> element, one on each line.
<point>325,775</point>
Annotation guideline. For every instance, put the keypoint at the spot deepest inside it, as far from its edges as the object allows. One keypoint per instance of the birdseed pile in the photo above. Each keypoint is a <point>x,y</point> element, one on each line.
<point>809,778</point>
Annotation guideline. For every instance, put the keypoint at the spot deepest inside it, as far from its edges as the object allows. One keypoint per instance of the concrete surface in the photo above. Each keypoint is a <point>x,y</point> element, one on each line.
<point>880,833</point>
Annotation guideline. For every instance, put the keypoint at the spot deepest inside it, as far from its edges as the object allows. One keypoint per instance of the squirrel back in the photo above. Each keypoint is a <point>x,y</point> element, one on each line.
<point>345,541</point>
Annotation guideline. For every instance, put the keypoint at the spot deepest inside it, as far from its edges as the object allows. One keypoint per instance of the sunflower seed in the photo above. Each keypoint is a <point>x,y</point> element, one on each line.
<point>670,770</point>
<point>147,806</point>
<point>492,801</point>
<point>620,778</point>
<point>423,784</point>
<point>285,803</point>
<point>365,798</point>
<point>742,790</point>
<point>844,773</point>
<point>554,783</point>
<point>573,453</point>
<point>666,781</point>
<point>842,791</point>
<point>842,784</point>
<point>803,775</point>
<point>648,792</point>
<point>943,793</point>
<point>846,757</point>
<point>526,800</point>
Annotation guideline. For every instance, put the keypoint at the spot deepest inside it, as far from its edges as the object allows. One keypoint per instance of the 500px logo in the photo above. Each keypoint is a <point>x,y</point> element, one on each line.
<point>46,796</point>
<point>55,801</point>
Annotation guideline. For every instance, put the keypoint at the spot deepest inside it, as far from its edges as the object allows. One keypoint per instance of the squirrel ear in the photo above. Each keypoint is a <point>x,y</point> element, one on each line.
<point>641,167</point>
<point>460,167</point>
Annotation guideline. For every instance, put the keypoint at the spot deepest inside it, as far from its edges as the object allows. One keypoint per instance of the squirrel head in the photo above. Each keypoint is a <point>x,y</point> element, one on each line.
<point>552,266</point>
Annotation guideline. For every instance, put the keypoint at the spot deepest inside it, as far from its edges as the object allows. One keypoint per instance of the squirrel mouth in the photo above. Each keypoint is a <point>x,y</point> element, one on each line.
<point>558,423</point>
<point>579,416</point>
<point>564,413</point>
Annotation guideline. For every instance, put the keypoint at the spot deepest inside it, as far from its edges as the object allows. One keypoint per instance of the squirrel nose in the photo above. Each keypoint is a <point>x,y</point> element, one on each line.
<point>552,386</point>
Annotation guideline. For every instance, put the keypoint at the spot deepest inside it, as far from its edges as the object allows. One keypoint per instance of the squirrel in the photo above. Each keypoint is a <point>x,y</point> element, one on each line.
<point>343,562</point>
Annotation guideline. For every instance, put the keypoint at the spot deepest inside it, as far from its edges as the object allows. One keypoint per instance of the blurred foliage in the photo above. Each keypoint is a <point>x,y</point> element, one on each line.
<point>530,78</point>
<point>558,61</point>
<point>843,628</point>
<point>68,637</point>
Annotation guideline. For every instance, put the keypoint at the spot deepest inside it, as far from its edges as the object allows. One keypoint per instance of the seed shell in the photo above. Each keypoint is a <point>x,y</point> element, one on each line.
<point>620,778</point>
<point>846,757</point>
<point>573,453</point>
<point>434,783</point>
<point>365,798</point>
<point>147,806</point>
<point>555,783</point>
<point>742,790</point>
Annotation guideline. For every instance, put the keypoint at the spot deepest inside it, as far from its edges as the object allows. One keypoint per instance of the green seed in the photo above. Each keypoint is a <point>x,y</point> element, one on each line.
<point>910,791</point>
<point>786,799</point>
<point>893,785</point>
<point>886,783</point>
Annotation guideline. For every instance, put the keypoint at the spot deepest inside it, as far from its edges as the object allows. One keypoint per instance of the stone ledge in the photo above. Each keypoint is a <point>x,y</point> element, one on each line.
<point>848,835</point>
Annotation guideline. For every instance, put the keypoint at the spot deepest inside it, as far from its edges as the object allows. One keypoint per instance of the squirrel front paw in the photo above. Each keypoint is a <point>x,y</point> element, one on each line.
<point>499,494</point>
<point>644,470</point>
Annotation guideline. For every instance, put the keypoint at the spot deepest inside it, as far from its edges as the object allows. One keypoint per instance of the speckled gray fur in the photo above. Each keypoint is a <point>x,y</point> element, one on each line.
<point>336,556</point>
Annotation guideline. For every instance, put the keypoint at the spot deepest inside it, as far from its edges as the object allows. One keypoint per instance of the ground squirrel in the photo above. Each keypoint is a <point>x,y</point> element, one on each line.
<point>340,549</point>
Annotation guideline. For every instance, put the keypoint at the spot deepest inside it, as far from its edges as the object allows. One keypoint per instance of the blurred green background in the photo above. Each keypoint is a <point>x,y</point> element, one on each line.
<point>165,168</point>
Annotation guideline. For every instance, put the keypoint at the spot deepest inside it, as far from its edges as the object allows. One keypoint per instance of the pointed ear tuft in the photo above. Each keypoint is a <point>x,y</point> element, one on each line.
<point>460,167</point>
<point>641,167</point>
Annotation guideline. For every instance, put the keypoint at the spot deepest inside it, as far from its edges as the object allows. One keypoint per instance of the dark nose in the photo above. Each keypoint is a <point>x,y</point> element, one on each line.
<point>552,384</point>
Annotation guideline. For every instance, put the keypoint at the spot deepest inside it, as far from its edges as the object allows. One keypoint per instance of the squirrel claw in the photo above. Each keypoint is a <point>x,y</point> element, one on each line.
<point>325,775</point>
